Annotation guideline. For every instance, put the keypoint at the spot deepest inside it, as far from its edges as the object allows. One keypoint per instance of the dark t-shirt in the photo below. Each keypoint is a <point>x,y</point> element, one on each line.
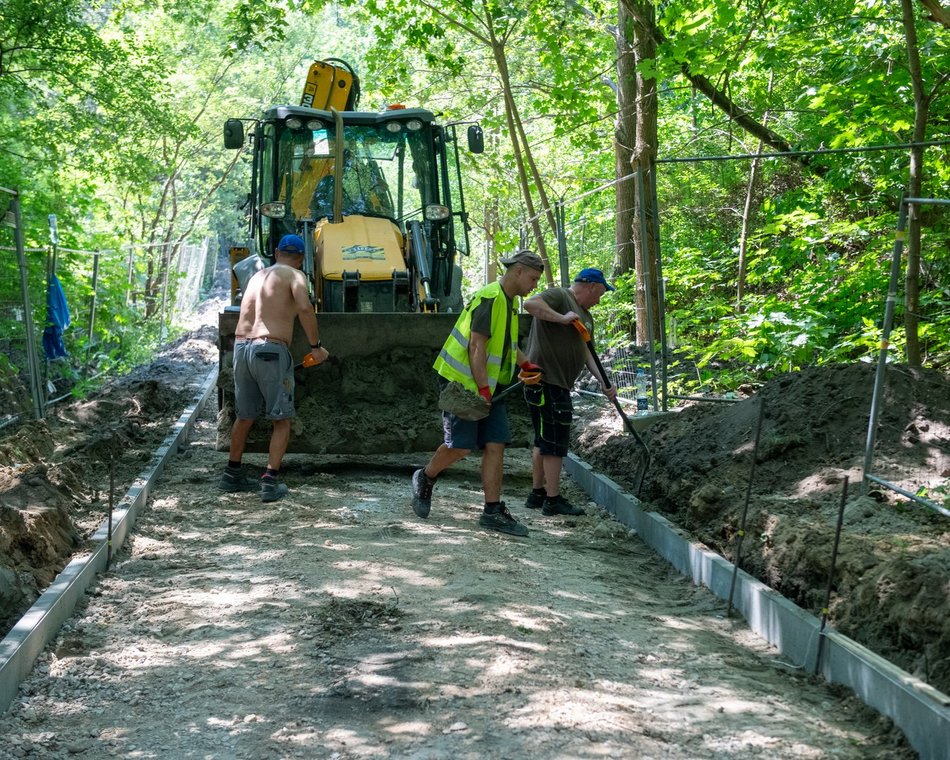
<point>559,349</point>
<point>481,323</point>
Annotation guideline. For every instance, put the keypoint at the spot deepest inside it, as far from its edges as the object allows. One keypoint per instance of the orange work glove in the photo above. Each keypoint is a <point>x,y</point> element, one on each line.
<point>530,373</point>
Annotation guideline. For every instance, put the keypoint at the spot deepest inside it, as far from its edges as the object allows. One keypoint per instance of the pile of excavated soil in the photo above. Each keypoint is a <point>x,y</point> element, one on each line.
<point>891,587</point>
<point>56,474</point>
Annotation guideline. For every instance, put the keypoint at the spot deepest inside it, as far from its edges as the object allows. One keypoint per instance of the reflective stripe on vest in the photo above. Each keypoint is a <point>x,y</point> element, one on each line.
<point>453,362</point>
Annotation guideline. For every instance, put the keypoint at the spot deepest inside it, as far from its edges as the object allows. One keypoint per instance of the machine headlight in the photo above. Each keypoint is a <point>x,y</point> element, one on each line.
<point>436,213</point>
<point>274,209</point>
<point>413,125</point>
<point>393,126</point>
<point>294,123</point>
<point>314,124</point>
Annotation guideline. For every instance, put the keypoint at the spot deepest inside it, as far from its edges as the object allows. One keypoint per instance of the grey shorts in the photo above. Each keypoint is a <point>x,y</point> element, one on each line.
<point>263,380</point>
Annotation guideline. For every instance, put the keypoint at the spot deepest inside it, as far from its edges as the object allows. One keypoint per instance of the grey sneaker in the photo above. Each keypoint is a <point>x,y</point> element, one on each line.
<point>233,482</point>
<point>535,500</point>
<point>558,505</point>
<point>503,522</point>
<point>421,493</point>
<point>271,490</point>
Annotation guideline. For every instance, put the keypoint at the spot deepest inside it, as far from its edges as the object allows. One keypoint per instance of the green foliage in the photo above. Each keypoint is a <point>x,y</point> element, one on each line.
<point>110,118</point>
<point>938,494</point>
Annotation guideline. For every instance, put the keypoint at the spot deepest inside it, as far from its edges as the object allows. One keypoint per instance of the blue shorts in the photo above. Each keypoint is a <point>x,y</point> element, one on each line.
<point>263,380</point>
<point>552,412</point>
<point>465,434</point>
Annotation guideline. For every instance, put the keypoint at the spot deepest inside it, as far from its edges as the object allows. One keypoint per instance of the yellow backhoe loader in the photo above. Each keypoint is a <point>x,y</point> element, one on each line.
<point>377,198</point>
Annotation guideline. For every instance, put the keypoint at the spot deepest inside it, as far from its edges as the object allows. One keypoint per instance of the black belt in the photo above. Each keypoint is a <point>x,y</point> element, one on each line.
<point>262,339</point>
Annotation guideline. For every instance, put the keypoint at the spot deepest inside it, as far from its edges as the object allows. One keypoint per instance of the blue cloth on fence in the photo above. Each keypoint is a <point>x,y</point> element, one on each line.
<point>57,319</point>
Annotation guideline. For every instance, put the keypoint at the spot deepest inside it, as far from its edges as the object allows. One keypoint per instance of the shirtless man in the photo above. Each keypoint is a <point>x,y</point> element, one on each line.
<point>263,367</point>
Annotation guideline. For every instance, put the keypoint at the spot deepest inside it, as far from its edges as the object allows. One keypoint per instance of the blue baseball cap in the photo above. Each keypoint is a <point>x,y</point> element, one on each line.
<point>593,275</point>
<point>291,244</point>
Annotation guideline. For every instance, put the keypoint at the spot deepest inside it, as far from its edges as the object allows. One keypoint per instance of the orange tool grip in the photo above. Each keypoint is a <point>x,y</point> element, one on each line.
<point>579,326</point>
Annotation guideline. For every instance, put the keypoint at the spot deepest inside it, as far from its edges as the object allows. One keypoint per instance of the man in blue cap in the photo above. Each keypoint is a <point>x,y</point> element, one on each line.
<point>263,367</point>
<point>555,344</point>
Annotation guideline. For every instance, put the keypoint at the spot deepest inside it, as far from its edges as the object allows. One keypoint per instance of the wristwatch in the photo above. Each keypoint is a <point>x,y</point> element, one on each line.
<point>318,344</point>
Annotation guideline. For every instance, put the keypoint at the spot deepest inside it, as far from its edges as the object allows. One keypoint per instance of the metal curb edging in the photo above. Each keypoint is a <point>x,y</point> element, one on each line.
<point>27,639</point>
<point>919,710</point>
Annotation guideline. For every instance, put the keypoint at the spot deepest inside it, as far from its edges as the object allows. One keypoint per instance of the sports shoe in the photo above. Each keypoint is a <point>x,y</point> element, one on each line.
<point>421,493</point>
<point>271,490</point>
<point>233,482</point>
<point>503,522</point>
<point>535,500</point>
<point>558,505</point>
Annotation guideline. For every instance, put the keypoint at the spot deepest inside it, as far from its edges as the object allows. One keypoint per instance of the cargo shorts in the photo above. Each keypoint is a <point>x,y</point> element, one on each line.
<point>263,380</point>
<point>552,413</point>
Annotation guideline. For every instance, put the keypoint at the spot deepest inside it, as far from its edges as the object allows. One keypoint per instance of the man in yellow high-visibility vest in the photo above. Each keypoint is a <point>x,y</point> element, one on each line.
<point>482,354</point>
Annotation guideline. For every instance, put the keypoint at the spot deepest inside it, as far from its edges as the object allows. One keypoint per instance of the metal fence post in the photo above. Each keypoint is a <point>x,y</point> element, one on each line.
<point>661,294</point>
<point>561,243</point>
<point>39,398</point>
<point>92,305</point>
<point>647,279</point>
<point>885,337</point>
<point>131,275</point>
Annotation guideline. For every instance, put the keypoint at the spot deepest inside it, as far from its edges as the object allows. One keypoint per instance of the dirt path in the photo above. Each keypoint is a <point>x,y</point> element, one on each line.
<point>337,624</point>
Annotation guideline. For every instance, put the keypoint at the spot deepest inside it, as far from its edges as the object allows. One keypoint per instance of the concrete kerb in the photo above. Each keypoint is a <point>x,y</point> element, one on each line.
<point>24,643</point>
<point>919,710</point>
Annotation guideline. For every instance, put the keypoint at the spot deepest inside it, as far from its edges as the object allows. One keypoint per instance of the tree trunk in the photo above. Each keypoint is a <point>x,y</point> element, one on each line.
<point>914,185</point>
<point>644,161</point>
<point>535,174</point>
<point>492,228</point>
<point>625,137</point>
<point>498,51</point>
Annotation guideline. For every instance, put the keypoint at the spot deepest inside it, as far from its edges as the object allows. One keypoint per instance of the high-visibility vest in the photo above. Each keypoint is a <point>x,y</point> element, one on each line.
<point>452,362</point>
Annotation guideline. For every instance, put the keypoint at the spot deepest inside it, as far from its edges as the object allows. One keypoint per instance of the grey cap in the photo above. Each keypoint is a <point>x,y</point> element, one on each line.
<point>526,257</point>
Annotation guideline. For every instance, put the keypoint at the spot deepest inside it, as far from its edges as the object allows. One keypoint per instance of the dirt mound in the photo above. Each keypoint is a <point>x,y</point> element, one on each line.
<point>891,590</point>
<point>55,473</point>
<point>37,535</point>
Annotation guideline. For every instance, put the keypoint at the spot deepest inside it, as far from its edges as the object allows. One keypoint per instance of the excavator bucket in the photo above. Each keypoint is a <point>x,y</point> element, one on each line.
<point>376,393</point>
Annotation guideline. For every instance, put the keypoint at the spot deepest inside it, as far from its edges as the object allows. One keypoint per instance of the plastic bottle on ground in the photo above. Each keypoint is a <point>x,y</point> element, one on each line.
<point>640,384</point>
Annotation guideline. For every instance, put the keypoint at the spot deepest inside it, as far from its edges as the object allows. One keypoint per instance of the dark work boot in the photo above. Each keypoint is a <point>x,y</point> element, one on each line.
<point>558,505</point>
<point>233,481</point>
<point>500,519</point>
<point>421,493</point>
<point>535,499</point>
<point>271,490</point>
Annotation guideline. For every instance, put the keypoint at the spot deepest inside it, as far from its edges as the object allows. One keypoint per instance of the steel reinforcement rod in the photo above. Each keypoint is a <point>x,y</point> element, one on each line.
<point>745,507</point>
<point>825,608</point>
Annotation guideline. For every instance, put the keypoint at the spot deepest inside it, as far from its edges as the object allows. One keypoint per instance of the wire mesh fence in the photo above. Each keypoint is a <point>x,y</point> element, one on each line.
<point>907,405</point>
<point>67,315</point>
<point>776,298</point>
<point>194,264</point>
<point>20,393</point>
